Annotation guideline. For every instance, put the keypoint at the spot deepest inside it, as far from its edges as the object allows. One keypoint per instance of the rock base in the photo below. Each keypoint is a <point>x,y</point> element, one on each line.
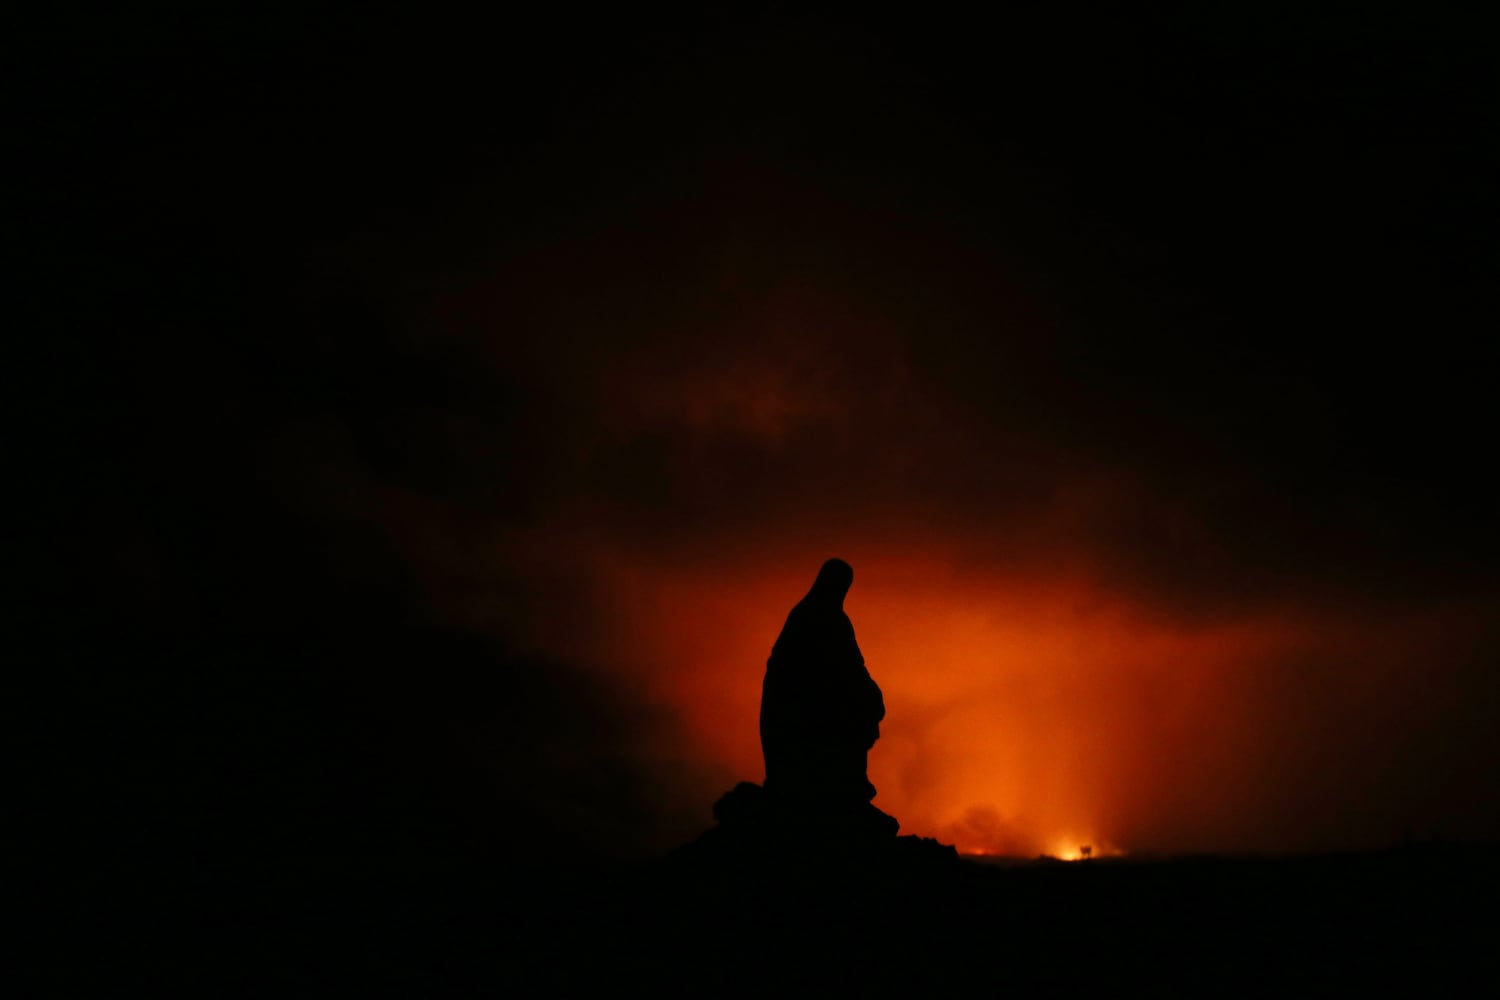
<point>757,828</point>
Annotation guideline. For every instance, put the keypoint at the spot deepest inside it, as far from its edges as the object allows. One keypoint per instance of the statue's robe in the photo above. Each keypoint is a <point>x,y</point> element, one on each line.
<point>820,710</point>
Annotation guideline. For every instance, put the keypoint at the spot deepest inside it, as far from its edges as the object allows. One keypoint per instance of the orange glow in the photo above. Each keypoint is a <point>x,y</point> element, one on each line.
<point>1091,619</point>
<point>1029,715</point>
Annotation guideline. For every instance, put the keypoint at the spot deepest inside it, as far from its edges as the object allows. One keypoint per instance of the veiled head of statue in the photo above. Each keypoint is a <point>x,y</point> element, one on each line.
<point>833,583</point>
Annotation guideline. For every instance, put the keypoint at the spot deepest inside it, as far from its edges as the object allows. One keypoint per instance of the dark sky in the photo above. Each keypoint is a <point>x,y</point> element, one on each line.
<point>437,416</point>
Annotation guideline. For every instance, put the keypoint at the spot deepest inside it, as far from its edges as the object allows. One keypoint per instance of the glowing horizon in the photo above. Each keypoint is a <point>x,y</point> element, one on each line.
<point>1023,717</point>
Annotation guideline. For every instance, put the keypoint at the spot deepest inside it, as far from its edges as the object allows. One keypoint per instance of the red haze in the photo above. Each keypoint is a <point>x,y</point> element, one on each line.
<point>1036,715</point>
<point>1099,607</point>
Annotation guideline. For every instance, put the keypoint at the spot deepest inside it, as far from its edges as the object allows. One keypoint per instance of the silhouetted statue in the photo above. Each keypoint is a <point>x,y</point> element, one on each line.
<point>820,711</point>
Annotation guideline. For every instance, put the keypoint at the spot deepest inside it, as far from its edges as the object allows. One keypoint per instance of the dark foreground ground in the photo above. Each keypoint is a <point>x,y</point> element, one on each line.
<point>1413,919</point>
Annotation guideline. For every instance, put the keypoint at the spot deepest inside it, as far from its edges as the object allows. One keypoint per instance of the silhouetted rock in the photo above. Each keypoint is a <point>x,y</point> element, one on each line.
<point>749,808</point>
<point>741,804</point>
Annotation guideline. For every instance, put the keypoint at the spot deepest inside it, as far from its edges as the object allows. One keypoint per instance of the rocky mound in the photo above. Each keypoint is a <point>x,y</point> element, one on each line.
<point>757,829</point>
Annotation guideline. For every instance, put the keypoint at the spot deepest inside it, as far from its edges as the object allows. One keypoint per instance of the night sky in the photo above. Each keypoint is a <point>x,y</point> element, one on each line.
<point>437,417</point>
